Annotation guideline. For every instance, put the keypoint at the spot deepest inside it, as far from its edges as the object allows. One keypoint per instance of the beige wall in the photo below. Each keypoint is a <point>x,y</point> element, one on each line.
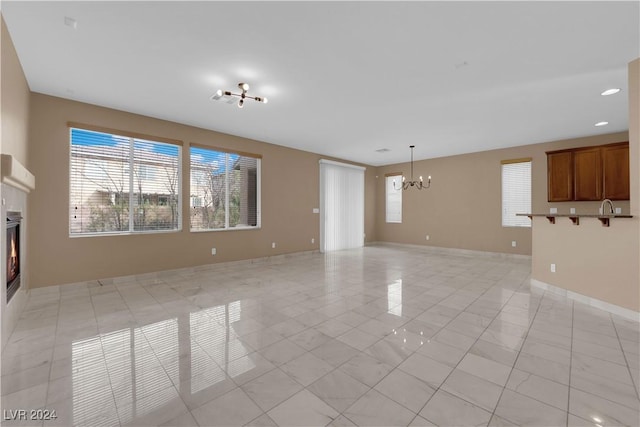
<point>462,209</point>
<point>15,102</point>
<point>290,191</point>
<point>599,262</point>
<point>634,156</point>
<point>14,118</point>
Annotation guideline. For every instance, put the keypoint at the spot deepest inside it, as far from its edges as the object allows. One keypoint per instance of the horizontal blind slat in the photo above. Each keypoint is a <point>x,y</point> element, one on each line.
<point>101,179</point>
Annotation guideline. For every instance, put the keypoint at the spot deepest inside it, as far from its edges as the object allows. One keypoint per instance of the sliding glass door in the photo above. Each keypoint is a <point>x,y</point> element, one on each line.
<point>341,206</point>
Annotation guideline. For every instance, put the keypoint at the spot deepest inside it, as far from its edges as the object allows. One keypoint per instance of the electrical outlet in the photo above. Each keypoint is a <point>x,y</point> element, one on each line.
<point>618,210</point>
<point>553,210</point>
<point>316,210</point>
<point>273,245</point>
<point>572,210</point>
<point>213,251</point>
<point>427,237</point>
<point>313,241</point>
<point>513,243</point>
<point>553,268</point>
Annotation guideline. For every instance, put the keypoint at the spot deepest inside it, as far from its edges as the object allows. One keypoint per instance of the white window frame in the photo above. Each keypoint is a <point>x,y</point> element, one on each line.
<point>516,196</point>
<point>389,185</point>
<point>131,138</point>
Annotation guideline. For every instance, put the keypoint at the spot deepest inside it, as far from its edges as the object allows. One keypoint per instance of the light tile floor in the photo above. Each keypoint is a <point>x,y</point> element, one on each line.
<point>378,336</point>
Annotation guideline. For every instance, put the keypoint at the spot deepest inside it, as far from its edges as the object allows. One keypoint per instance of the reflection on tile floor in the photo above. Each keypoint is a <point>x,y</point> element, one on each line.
<point>378,336</point>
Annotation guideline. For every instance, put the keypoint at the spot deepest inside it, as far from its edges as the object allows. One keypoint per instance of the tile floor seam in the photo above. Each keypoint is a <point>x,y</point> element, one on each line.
<point>397,367</point>
<point>513,366</point>
<point>573,318</point>
<point>635,386</point>
<point>412,353</point>
<point>467,352</point>
<point>104,358</point>
<point>46,396</point>
<point>449,281</point>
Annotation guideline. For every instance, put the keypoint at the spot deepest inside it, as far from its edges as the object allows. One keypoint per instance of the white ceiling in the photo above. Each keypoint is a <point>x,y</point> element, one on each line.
<point>344,79</point>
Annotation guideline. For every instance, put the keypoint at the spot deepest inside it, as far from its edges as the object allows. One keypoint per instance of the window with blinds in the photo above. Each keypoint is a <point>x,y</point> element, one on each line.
<point>516,192</point>
<point>393,198</point>
<point>225,190</point>
<point>120,184</point>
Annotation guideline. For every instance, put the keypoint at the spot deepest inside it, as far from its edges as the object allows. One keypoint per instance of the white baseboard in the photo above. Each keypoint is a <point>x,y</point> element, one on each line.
<point>593,302</point>
<point>452,251</point>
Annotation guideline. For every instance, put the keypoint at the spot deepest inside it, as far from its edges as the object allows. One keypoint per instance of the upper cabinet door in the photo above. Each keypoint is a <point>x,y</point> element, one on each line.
<point>560,176</point>
<point>615,165</point>
<point>587,174</point>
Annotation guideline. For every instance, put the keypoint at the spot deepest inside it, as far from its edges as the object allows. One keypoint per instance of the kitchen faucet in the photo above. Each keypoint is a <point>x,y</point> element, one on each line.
<point>604,202</point>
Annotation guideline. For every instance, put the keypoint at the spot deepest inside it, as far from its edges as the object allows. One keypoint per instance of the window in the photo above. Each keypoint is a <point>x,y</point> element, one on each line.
<point>516,192</point>
<point>393,198</point>
<point>225,190</point>
<point>121,184</point>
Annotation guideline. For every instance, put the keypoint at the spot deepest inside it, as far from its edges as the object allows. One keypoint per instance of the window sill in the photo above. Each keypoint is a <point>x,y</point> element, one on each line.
<point>123,233</point>
<point>215,230</point>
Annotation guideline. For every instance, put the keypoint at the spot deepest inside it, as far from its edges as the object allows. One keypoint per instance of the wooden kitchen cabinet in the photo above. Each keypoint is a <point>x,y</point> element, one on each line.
<point>615,171</point>
<point>588,173</point>
<point>560,176</point>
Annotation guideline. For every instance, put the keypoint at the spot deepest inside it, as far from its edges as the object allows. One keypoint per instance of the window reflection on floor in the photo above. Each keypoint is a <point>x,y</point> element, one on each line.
<point>130,372</point>
<point>394,298</point>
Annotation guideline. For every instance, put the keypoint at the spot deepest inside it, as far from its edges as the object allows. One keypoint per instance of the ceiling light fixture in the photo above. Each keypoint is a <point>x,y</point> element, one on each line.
<point>417,184</point>
<point>70,22</point>
<point>244,87</point>
<point>610,92</point>
<point>601,124</point>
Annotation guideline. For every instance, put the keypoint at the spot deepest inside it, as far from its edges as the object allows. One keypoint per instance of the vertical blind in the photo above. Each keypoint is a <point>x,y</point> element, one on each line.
<point>341,206</point>
<point>120,184</point>
<point>224,190</point>
<point>393,199</point>
<point>516,193</point>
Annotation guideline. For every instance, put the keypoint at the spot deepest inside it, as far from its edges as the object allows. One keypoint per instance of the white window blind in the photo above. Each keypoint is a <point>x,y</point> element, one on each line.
<point>341,206</point>
<point>516,193</point>
<point>225,190</point>
<point>120,184</point>
<point>393,198</point>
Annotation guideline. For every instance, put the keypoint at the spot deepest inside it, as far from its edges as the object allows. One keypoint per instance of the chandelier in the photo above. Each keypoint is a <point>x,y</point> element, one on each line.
<point>417,184</point>
<point>244,87</point>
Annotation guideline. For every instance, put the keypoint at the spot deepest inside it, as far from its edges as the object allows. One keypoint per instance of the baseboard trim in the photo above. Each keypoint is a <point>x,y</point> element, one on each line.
<point>452,251</point>
<point>593,302</point>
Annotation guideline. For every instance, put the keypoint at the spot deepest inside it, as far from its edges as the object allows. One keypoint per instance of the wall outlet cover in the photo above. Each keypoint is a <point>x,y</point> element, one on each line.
<point>553,268</point>
<point>513,243</point>
<point>618,210</point>
<point>572,210</point>
<point>553,210</point>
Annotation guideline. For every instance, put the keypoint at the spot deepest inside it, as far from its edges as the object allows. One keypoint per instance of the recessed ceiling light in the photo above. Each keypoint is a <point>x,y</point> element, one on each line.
<point>382,150</point>
<point>612,91</point>
<point>601,123</point>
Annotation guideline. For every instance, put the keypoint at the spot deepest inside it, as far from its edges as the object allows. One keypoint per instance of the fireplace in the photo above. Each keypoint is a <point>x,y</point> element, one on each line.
<point>13,253</point>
